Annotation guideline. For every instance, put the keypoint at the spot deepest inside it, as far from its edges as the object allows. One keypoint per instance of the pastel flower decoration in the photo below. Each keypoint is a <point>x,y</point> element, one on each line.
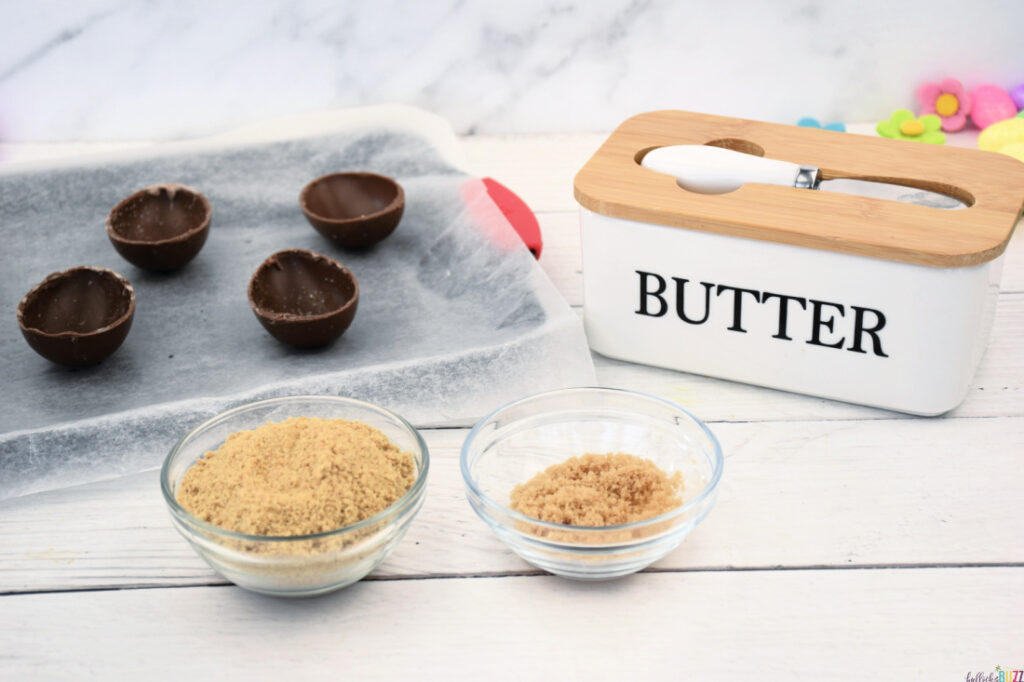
<point>809,122</point>
<point>902,125</point>
<point>947,100</point>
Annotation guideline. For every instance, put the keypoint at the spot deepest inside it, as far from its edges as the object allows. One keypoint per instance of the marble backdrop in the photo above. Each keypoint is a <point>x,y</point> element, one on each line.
<point>111,69</point>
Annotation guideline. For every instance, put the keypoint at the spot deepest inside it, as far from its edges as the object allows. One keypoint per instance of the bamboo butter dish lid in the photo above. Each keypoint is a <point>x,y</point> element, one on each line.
<point>613,183</point>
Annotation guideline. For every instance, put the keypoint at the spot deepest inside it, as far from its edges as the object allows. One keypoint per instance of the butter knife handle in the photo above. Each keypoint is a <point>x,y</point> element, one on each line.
<point>714,170</point>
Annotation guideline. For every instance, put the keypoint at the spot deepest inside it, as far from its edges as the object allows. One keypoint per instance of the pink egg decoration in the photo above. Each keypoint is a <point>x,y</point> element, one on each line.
<point>991,105</point>
<point>1017,95</point>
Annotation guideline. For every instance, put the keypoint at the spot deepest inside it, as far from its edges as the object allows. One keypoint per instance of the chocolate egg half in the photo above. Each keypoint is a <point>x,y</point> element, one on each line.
<point>161,227</point>
<point>79,316</point>
<point>303,298</point>
<point>354,210</point>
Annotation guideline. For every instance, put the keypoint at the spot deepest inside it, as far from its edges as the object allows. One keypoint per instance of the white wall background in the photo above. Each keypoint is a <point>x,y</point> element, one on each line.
<point>111,69</point>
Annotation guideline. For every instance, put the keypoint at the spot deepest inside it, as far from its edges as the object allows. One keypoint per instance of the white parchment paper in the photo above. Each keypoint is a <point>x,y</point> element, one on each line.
<point>455,316</point>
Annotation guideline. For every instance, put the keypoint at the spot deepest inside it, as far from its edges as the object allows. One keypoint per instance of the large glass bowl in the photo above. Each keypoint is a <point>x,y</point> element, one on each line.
<point>521,439</point>
<point>300,565</point>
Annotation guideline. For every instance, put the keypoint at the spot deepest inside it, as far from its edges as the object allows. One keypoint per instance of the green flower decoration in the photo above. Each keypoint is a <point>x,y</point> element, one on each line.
<point>903,126</point>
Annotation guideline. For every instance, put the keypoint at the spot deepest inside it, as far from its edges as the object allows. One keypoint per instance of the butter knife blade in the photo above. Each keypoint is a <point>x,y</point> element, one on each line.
<point>886,190</point>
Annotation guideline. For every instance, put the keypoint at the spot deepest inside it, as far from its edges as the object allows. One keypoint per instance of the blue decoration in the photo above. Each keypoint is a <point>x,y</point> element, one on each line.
<point>808,122</point>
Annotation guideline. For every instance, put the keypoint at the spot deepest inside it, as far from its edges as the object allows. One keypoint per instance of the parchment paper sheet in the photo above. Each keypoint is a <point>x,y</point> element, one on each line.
<point>455,316</point>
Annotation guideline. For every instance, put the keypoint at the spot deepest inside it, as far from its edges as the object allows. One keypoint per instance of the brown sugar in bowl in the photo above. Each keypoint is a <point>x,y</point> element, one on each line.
<point>79,316</point>
<point>303,298</point>
<point>355,210</point>
<point>161,227</point>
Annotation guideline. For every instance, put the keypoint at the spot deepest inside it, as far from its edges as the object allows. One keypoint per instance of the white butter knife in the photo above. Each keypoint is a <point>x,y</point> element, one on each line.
<point>714,170</point>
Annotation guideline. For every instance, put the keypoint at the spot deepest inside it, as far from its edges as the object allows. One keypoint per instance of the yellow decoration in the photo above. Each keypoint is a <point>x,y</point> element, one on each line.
<point>1014,149</point>
<point>947,104</point>
<point>912,128</point>
<point>1000,134</point>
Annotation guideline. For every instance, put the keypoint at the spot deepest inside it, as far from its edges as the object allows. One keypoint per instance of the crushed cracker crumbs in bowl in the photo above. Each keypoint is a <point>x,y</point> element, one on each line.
<point>296,496</point>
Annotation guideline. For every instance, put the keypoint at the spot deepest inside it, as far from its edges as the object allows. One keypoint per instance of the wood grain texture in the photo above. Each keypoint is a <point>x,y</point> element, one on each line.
<point>613,183</point>
<point>794,494</point>
<point>927,624</point>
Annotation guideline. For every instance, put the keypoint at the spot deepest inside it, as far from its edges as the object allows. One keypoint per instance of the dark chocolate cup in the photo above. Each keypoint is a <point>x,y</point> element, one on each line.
<point>302,298</point>
<point>161,227</point>
<point>354,210</point>
<point>79,316</point>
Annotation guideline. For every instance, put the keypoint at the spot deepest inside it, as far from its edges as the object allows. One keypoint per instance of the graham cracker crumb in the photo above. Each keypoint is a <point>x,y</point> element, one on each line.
<point>297,477</point>
<point>599,490</point>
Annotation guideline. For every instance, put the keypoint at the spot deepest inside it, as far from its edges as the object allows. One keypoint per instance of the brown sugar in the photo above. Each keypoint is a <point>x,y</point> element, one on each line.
<point>599,490</point>
<point>297,477</point>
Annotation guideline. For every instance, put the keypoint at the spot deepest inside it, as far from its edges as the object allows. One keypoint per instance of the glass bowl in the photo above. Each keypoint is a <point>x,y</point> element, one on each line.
<point>300,565</point>
<point>521,439</point>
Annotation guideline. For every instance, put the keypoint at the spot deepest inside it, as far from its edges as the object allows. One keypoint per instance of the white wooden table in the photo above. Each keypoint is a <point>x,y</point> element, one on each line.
<point>847,543</point>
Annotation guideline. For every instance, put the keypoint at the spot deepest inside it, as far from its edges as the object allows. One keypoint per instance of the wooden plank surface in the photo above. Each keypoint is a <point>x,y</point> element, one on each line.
<point>922,624</point>
<point>794,494</point>
<point>847,543</point>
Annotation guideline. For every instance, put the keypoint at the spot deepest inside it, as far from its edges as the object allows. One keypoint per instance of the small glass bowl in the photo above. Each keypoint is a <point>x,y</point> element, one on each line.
<point>300,565</point>
<point>521,439</point>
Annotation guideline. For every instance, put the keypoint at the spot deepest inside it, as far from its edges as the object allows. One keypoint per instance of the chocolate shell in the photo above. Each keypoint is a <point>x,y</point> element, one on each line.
<point>355,210</point>
<point>303,298</point>
<point>161,227</point>
<point>79,316</point>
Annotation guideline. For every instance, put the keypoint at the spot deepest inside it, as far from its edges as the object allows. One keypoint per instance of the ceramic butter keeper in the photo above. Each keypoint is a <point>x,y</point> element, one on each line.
<point>853,298</point>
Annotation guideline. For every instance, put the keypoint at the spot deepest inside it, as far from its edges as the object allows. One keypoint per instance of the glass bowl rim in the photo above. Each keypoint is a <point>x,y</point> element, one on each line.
<point>717,460</point>
<point>414,491</point>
